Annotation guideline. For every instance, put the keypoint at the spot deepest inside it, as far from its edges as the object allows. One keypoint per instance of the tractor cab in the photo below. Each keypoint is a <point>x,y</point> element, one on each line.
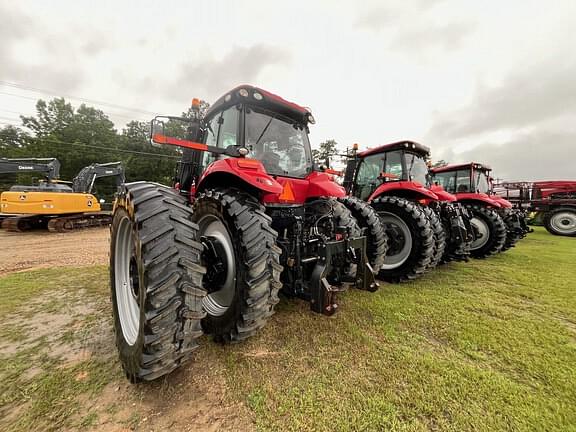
<point>255,137</point>
<point>471,181</point>
<point>265,127</point>
<point>465,178</point>
<point>400,165</point>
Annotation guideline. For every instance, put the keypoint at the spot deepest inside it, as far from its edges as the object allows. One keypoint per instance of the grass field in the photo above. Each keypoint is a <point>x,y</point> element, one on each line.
<point>483,346</point>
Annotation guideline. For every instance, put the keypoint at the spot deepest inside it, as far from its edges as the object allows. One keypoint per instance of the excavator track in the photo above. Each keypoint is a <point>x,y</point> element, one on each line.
<point>74,222</point>
<point>23,223</point>
<point>56,224</point>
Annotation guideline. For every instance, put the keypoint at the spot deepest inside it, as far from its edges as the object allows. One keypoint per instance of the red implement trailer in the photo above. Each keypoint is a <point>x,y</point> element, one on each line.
<point>554,200</point>
<point>250,214</point>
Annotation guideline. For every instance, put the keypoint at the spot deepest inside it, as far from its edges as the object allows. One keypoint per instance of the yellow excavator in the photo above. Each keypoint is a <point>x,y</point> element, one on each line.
<point>53,204</point>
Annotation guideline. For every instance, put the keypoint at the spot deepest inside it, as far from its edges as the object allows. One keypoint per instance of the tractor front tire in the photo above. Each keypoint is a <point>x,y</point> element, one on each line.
<point>492,228</point>
<point>243,275</point>
<point>368,220</point>
<point>561,221</point>
<point>410,239</point>
<point>155,279</point>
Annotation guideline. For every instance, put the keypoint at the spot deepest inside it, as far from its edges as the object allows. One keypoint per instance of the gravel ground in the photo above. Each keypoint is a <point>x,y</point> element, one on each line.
<point>42,249</point>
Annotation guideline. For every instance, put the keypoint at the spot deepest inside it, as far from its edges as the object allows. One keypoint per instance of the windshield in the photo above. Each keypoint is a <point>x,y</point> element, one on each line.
<point>481,181</point>
<point>416,168</point>
<point>279,143</point>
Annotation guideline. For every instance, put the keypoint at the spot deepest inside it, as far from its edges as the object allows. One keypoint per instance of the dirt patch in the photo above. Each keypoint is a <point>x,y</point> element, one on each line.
<point>67,331</point>
<point>42,249</point>
<point>184,401</point>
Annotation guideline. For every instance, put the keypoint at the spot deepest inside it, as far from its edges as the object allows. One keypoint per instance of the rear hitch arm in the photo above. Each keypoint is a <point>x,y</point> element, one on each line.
<point>323,294</point>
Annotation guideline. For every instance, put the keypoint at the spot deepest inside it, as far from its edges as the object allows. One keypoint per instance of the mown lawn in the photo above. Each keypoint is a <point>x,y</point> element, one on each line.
<point>480,346</point>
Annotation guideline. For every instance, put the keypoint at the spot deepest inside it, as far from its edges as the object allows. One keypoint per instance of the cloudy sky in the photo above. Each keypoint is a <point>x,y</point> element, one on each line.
<point>491,81</point>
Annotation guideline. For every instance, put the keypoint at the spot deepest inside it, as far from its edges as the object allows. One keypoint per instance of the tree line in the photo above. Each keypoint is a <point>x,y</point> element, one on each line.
<point>82,136</point>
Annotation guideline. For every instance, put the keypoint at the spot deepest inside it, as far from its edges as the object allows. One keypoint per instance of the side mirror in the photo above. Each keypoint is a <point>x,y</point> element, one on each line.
<point>156,130</point>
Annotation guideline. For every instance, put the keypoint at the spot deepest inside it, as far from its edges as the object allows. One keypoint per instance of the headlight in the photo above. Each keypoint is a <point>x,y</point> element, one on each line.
<point>258,96</point>
<point>243,92</point>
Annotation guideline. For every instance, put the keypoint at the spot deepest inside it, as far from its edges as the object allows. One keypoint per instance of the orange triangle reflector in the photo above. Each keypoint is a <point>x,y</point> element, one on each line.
<point>287,193</point>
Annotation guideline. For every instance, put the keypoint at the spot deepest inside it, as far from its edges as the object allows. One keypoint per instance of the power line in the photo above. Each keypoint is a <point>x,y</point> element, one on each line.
<point>9,118</point>
<point>92,101</point>
<point>8,124</point>
<point>35,99</point>
<point>107,148</point>
<point>10,111</point>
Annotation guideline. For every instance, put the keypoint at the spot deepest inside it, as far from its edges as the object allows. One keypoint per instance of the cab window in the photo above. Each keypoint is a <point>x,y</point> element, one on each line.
<point>447,180</point>
<point>228,127</point>
<point>367,177</point>
<point>463,181</point>
<point>393,165</point>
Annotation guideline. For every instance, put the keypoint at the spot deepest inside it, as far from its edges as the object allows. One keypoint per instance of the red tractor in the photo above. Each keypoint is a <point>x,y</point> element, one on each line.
<point>250,214</point>
<point>497,227</point>
<point>422,226</point>
<point>554,200</point>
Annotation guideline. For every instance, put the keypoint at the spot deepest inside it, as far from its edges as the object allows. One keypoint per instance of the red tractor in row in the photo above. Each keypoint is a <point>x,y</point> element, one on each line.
<point>423,226</point>
<point>250,215</point>
<point>554,201</point>
<point>497,226</point>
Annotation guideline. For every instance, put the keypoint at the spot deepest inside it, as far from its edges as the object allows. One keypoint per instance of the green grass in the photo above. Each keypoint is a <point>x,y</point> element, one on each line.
<point>488,345</point>
<point>51,395</point>
<point>479,346</point>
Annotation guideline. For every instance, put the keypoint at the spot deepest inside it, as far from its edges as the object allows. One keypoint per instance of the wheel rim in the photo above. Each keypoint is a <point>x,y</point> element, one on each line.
<point>127,282</point>
<point>483,229</point>
<point>220,297</point>
<point>564,222</point>
<point>399,248</point>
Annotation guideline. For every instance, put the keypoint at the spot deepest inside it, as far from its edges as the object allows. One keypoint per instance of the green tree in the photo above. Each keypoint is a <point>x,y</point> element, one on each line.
<point>327,150</point>
<point>440,163</point>
<point>145,166</point>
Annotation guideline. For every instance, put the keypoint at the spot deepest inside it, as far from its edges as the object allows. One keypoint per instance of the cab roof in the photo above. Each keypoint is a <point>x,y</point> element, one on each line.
<point>399,145</point>
<point>455,167</point>
<point>246,94</point>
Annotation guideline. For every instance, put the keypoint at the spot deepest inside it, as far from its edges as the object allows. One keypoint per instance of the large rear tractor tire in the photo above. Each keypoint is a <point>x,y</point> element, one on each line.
<point>491,229</point>
<point>439,237</point>
<point>561,221</point>
<point>242,262</point>
<point>368,220</point>
<point>410,239</point>
<point>155,279</point>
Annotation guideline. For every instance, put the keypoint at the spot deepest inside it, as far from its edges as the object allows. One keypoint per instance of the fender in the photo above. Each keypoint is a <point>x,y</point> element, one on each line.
<point>323,184</point>
<point>504,203</point>
<point>442,194</point>
<point>478,197</point>
<point>248,170</point>
<point>414,189</point>
<point>296,191</point>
